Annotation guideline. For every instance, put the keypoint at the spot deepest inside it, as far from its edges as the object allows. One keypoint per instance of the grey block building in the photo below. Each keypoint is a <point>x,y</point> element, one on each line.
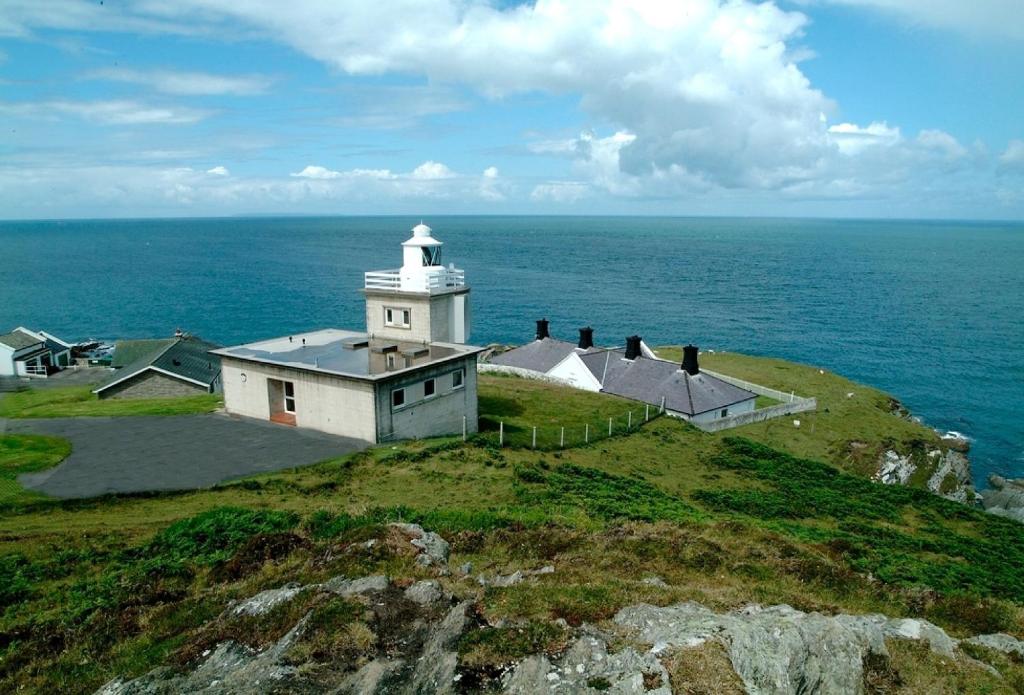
<point>408,375</point>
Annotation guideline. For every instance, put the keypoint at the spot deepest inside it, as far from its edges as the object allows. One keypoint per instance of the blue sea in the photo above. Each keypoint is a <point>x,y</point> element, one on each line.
<point>932,312</point>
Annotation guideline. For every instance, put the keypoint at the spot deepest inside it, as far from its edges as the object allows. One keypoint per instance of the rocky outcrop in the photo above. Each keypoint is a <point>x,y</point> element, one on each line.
<point>948,472</point>
<point>778,649</point>
<point>1005,497</point>
<point>430,548</point>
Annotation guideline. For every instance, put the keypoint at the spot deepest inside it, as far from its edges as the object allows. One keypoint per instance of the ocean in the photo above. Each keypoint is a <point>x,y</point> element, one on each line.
<point>932,312</point>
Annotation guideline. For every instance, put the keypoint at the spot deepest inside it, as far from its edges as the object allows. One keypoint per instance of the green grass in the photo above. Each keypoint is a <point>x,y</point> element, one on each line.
<point>851,427</point>
<point>79,401</point>
<point>522,404</point>
<point>90,589</point>
<point>26,453</point>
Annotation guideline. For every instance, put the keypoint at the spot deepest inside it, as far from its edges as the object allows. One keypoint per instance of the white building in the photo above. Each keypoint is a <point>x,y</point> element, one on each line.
<point>25,352</point>
<point>682,390</point>
<point>408,375</point>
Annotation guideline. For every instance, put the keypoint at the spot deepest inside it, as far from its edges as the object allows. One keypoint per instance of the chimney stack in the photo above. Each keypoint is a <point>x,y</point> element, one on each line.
<point>632,347</point>
<point>542,329</point>
<point>690,360</point>
<point>586,338</point>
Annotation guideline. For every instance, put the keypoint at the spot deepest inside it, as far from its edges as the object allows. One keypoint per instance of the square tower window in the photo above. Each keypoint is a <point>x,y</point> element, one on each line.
<point>397,317</point>
<point>428,388</point>
<point>397,398</point>
<point>457,379</point>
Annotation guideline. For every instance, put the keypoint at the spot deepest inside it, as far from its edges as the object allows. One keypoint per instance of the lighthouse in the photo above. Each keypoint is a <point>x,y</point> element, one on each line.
<point>424,300</point>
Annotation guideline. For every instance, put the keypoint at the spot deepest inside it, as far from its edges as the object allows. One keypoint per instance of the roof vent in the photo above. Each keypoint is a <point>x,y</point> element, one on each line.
<point>176,362</point>
<point>586,338</point>
<point>690,365</point>
<point>632,347</point>
<point>542,329</point>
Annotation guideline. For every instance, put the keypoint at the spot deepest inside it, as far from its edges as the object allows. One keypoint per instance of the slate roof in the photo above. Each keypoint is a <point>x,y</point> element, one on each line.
<point>649,380</point>
<point>538,356</point>
<point>19,340</point>
<point>187,358</point>
<point>128,352</point>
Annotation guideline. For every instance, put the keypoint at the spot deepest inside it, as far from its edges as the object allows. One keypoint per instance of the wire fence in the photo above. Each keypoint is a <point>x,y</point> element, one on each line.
<point>553,436</point>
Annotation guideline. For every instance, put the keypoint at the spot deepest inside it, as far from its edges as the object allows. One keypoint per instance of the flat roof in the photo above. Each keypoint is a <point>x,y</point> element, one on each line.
<point>347,353</point>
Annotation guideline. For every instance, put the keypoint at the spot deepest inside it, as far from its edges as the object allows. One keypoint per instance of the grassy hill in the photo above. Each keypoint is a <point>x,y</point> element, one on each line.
<point>92,589</point>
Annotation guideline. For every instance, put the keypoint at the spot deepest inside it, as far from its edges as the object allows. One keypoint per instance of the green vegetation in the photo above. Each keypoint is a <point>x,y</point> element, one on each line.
<point>522,404</point>
<point>26,453</point>
<point>90,589</point>
<point>851,427</point>
<point>79,401</point>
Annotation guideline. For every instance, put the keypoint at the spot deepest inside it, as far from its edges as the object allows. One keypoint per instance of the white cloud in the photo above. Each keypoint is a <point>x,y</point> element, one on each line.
<point>432,171</point>
<point>560,191</point>
<point>108,112</point>
<point>491,185</point>
<point>187,83</point>
<point>1014,155</point>
<point>942,144</point>
<point>852,139</point>
<point>1003,18</point>
<point>218,171</point>
<point>316,172</point>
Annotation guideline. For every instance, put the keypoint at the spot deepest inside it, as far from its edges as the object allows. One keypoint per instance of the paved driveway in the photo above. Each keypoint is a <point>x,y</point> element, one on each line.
<point>136,454</point>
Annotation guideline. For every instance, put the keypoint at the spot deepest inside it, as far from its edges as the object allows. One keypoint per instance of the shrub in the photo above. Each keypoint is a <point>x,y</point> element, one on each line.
<point>215,535</point>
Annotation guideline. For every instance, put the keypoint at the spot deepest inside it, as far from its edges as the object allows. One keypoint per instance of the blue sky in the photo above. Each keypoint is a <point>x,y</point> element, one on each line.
<point>863,108</point>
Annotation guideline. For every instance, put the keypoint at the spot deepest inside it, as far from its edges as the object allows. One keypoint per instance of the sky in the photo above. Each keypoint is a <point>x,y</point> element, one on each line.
<point>820,108</point>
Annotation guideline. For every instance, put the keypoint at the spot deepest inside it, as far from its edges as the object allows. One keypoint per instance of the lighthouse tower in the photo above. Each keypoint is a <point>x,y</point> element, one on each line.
<point>423,301</point>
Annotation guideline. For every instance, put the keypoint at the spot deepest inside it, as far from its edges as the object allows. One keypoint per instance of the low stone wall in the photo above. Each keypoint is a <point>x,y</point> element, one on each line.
<point>800,405</point>
<point>756,388</point>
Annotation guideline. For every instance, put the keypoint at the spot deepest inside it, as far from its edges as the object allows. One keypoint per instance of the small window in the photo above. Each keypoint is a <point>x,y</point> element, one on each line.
<point>397,398</point>
<point>289,397</point>
<point>457,379</point>
<point>396,317</point>
<point>428,388</point>
<point>725,412</point>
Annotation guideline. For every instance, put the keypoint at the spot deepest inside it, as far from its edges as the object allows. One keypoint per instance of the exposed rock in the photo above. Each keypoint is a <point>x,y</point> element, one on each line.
<point>352,587</point>
<point>894,469</point>
<point>435,671</point>
<point>508,579</point>
<point>587,667</point>
<point>425,593</point>
<point>1000,642</point>
<point>431,548</point>
<point>231,669</point>
<point>1005,497</point>
<point>950,477</point>
<point>264,601</point>
<point>780,649</point>
<point>466,568</point>
<point>655,581</point>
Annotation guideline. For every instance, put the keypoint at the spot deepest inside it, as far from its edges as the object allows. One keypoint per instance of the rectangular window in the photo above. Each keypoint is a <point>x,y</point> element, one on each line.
<point>428,388</point>
<point>457,379</point>
<point>397,398</point>
<point>391,360</point>
<point>397,317</point>
<point>725,412</point>
<point>289,397</point>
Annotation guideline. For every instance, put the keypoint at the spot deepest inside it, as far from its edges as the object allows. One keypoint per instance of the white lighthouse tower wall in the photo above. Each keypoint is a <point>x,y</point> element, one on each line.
<point>422,301</point>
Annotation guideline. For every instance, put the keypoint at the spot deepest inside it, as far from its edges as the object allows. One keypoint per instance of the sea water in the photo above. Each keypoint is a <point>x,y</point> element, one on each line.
<point>932,312</point>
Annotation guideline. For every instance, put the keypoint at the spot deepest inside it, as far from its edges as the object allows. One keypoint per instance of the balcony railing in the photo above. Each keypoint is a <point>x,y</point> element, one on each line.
<point>436,280</point>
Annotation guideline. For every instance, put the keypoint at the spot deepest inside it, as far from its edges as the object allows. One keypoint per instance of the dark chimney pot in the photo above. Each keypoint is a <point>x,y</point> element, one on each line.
<point>632,347</point>
<point>586,338</point>
<point>542,329</point>
<point>690,365</point>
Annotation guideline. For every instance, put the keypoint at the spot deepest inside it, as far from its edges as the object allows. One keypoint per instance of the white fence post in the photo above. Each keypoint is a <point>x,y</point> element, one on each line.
<point>629,421</point>
<point>586,434</point>
<point>561,442</point>
<point>662,405</point>
<point>609,427</point>
<point>535,437</point>
<point>501,433</point>
<point>647,412</point>
<point>463,428</point>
